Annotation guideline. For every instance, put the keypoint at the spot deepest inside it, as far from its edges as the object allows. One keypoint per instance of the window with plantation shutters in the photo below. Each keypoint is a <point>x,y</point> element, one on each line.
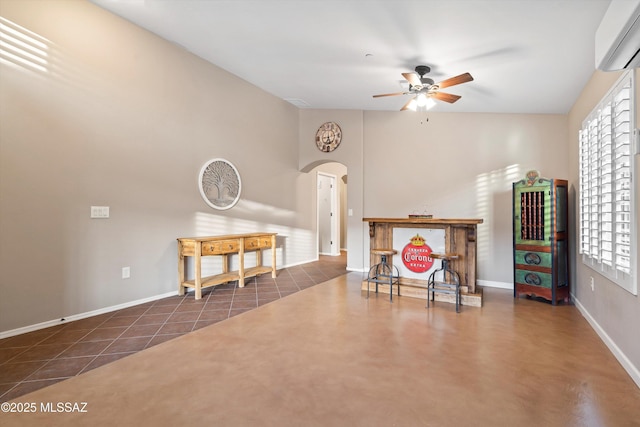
<point>606,205</point>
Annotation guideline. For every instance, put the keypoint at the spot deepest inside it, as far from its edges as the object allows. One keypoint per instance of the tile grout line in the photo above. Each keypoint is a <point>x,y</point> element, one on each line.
<point>47,361</point>
<point>114,340</point>
<point>71,344</point>
<point>163,323</point>
<point>201,310</point>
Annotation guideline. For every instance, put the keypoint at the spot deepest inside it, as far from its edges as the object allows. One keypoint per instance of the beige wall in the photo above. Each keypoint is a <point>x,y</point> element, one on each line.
<point>460,166</point>
<point>122,118</point>
<point>457,165</point>
<point>613,312</point>
<point>349,154</point>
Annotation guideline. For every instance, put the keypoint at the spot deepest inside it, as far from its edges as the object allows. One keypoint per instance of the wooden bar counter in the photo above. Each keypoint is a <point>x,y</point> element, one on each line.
<point>224,246</point>
<point>459,238</point>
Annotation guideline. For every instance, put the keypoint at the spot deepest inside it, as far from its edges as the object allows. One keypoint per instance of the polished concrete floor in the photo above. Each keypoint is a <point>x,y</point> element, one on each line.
<point>328,356</point>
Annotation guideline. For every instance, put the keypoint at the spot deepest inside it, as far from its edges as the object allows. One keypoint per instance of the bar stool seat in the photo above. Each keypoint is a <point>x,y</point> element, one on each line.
<point>445,287</point>
<point>384,272</point>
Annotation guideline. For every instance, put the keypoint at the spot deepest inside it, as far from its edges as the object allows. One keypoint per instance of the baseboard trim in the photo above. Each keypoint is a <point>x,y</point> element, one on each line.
<point>300,263</point>
<point>632,370</point>
<point>67,319</point>
<point>494,284</point>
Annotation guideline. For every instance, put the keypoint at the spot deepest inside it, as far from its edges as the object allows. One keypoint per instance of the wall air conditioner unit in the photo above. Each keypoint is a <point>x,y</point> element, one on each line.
<point>618,36</point>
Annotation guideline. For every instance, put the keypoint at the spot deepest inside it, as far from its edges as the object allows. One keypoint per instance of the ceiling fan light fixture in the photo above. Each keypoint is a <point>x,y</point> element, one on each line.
<point>422,102</point>
<point>430,103</point>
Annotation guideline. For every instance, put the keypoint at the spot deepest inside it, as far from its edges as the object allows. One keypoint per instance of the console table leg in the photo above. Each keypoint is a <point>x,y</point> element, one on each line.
<point>241,264</point>
<point>198,271</point>
<point>180,272</point>
<point>273,257</point>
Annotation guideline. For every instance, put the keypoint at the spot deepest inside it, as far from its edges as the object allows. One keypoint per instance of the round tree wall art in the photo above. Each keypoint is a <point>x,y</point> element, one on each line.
<point>220,184</point>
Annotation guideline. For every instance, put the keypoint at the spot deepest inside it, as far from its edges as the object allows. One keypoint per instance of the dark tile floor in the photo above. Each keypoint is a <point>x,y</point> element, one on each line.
<point>37,359</point>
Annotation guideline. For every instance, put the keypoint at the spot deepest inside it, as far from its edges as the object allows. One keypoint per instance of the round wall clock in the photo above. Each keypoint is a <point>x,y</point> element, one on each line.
<point>328,137</point>
<point>219,184</point>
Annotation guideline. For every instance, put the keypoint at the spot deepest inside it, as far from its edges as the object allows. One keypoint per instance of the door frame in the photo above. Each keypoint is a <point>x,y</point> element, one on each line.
<point>335,246</point>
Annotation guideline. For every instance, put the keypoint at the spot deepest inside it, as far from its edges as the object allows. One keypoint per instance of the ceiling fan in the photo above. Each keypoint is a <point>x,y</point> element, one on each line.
<point>425,89</point>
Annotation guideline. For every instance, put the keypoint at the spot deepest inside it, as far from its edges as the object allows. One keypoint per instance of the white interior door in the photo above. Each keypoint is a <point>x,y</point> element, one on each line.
<point>327,215</point>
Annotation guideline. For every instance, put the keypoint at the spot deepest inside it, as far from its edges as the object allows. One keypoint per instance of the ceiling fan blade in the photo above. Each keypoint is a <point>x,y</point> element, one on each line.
<point>462,78</point>
<point>446,97</point>
<point>412,78</point>
<point>406,106</point>
<point>389,94</point>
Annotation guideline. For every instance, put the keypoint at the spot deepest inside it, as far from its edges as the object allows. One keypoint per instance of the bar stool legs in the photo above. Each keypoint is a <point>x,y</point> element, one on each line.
<point>384,272</point>
<point>445,287</point>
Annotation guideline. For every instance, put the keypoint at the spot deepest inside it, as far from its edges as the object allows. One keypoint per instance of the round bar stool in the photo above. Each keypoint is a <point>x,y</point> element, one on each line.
<point>384,272</point>
<point>445,287</point>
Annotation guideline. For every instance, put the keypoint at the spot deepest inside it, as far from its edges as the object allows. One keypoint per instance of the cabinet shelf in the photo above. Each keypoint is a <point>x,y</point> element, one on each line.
<point>256,271</point>
<point>216,279</point>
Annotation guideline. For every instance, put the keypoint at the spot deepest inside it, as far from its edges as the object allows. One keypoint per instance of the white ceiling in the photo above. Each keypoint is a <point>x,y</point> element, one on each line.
<point>527,56</point>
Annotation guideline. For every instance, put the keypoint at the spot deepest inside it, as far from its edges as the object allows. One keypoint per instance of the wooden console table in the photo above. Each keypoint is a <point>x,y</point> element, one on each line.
<point>460,238</point>
<point>224,246</point>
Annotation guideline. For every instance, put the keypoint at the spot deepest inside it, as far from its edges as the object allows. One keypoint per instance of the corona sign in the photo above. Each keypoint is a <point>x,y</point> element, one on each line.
<point>416,255</point>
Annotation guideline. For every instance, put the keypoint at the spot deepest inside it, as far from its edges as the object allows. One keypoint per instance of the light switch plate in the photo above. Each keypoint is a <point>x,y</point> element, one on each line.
<point>100,212</point>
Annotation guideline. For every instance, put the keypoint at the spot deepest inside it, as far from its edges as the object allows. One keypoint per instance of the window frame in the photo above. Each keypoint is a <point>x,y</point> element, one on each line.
<point>607,209</point>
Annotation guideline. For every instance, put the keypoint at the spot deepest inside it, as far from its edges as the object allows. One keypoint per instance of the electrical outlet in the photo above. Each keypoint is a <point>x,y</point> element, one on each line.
<point>593,287</point>
<point>126,272</point>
